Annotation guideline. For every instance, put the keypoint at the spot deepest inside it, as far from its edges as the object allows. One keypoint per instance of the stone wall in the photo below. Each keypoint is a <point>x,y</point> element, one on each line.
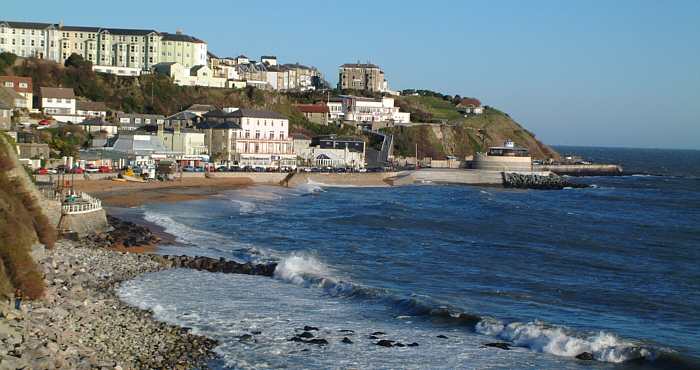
<point>85,223</point>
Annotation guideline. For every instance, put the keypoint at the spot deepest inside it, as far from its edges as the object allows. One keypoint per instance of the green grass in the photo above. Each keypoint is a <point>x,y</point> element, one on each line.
<point>440,109</point>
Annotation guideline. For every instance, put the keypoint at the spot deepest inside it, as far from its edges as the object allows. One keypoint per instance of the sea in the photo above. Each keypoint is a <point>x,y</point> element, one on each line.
<point>612,270</point>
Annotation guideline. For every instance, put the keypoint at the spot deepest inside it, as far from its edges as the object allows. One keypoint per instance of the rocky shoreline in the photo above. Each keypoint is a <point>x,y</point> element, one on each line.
<point>81,324</point>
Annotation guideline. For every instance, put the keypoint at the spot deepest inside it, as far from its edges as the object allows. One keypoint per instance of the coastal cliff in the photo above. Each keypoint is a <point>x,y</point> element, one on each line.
<point>464,136</point>
<point>26,223</point>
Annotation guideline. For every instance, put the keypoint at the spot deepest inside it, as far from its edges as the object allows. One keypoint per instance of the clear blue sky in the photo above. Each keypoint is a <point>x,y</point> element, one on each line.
<point>609,73</point>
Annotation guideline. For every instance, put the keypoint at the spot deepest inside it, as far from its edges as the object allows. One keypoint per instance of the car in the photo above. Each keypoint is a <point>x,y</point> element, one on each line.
<point>42,171</point>
<point>199,169</point>
<point>44,122</point>
<point>105,169</point>
<point>77,170</point>
<point>92,169</point>
<point>188,169</point>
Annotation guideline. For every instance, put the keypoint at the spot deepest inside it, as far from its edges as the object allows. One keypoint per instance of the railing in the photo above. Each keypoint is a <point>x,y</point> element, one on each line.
<point>82,203</point>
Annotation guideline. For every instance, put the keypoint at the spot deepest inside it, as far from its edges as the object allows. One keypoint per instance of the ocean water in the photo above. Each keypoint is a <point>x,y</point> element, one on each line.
<point>612,270</point>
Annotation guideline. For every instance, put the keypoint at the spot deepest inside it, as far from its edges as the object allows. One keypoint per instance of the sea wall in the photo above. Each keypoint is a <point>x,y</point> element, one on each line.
<point>254,177</point>
<point>85,223</point>
<point>340,179</point>
<point>582,169</point>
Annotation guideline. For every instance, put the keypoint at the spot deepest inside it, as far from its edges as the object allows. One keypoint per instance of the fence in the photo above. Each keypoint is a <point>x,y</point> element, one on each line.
<point>82,203</point>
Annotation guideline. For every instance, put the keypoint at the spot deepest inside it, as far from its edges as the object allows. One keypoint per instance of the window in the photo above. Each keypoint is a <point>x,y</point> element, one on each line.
<point>281,135</point>
<point>124,120</point>
<point>272,135</point>
<point>137,120</point>
<point>257,135</point>
<point>23,85</point>
<point>9,84</point>
<point>32,43</point>
<point>247,134</point>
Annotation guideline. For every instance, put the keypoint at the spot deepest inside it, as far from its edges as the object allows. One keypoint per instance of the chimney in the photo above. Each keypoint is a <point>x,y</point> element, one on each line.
<point>178,31</point>
<point>60,24</point>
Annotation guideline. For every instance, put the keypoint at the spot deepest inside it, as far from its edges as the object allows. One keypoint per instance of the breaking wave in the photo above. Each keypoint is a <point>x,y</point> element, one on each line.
<point>309,271</point>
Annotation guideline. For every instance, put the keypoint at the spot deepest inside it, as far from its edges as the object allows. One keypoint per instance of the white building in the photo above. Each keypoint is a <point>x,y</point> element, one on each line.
<point>361,109</point>
<point>59,103</point>
<point>200,75</point>
<point>90,109</point>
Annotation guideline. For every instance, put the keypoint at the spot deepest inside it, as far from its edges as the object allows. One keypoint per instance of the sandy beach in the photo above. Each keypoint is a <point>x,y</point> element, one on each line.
<point>131,194</point>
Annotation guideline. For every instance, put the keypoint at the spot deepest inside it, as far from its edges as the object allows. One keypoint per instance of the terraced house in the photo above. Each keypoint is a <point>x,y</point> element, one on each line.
<point>111,50</point>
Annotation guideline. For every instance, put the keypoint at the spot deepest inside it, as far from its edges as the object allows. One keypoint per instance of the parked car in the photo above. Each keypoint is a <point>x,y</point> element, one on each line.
<point>45,171</point>
<point>77,170</point>
<point>92,169</point>
<point>222,169</point>
<point>199,169</point>
<point>188,169</point>
<point>105,169</point>
<point>44,122</point>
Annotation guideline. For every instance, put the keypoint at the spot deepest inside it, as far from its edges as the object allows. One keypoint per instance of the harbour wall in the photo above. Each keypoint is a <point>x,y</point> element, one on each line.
<point>582,169</point>
<point>340,179</point>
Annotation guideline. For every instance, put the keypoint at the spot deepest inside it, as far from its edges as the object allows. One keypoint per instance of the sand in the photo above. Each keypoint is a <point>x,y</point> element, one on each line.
<point>132,194</point>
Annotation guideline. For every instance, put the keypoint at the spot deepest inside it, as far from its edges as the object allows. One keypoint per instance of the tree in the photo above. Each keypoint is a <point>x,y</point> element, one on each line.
<point>77,61</point>
<point>6,60</point>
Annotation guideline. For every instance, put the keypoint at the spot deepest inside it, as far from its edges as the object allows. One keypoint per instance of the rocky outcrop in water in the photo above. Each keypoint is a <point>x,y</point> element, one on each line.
<point>216,265</point>
<point>532,181</point>
<point>123,234</point>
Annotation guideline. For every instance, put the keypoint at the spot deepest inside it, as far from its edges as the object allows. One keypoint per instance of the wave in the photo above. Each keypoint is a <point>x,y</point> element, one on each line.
<point>209,243</point>
<point>307,270</point>
<point>245,207</point>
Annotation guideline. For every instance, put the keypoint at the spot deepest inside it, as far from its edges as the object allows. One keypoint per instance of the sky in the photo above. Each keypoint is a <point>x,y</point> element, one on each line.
<point>588,72</point>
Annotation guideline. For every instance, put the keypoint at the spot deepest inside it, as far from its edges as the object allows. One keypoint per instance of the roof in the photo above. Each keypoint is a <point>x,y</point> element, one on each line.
<point>217,113</point>
<point>268,57</point>
<point>90,105</point>
<point>211,55</point>
<point>138,115</point>
<point>300,137</point>
<point>201,108</point>
<point>57,92</point>
<point>359,65</point>
<point>18,79</point>
<point>182,116</point>
<point>312,108</point>
<point>97,121</point>
<point>241,56</point>
<point>180,37</point>
<point>138,143</point>
<point>218,125</point>
<point>254,113</point>
<point>5,106</point>
<point>195,69</point>
<point>9,96</point>
<point>29,24</point>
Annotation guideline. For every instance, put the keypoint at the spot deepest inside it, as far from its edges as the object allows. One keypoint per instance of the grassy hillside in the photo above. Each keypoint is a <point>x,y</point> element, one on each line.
<point>464,136</point>
<point>22,224</point>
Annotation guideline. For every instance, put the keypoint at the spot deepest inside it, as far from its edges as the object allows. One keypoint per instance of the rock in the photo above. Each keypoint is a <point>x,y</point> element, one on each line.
<point>586,356</point>
<point>378,333</point>
<point>385,343</point>
<point>246,338</point>
<point>347,331</point>
<point>320,342</point>
<point>256,332</point>
<point>414,344</point>
<point>346,340</point>
<point>295,339</point>
<point>310,328</point>
<point>306,334</point>
<point>442,336</point>
<point>500,345</point>
<point>372,337</point>
<point>399,344</point>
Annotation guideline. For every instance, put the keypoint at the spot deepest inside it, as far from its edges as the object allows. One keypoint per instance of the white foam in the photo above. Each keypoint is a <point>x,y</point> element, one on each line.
<point>182,232</point>
<point>297,268</point>
<point>245,207</point>
<point>558,341</point>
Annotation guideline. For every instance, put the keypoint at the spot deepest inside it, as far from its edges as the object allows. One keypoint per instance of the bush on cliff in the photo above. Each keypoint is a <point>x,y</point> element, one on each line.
<point>21,225</point>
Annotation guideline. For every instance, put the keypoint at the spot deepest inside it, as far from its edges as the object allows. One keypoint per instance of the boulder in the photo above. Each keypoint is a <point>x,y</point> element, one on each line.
<point>501,345</point>
<point>586,356</point>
